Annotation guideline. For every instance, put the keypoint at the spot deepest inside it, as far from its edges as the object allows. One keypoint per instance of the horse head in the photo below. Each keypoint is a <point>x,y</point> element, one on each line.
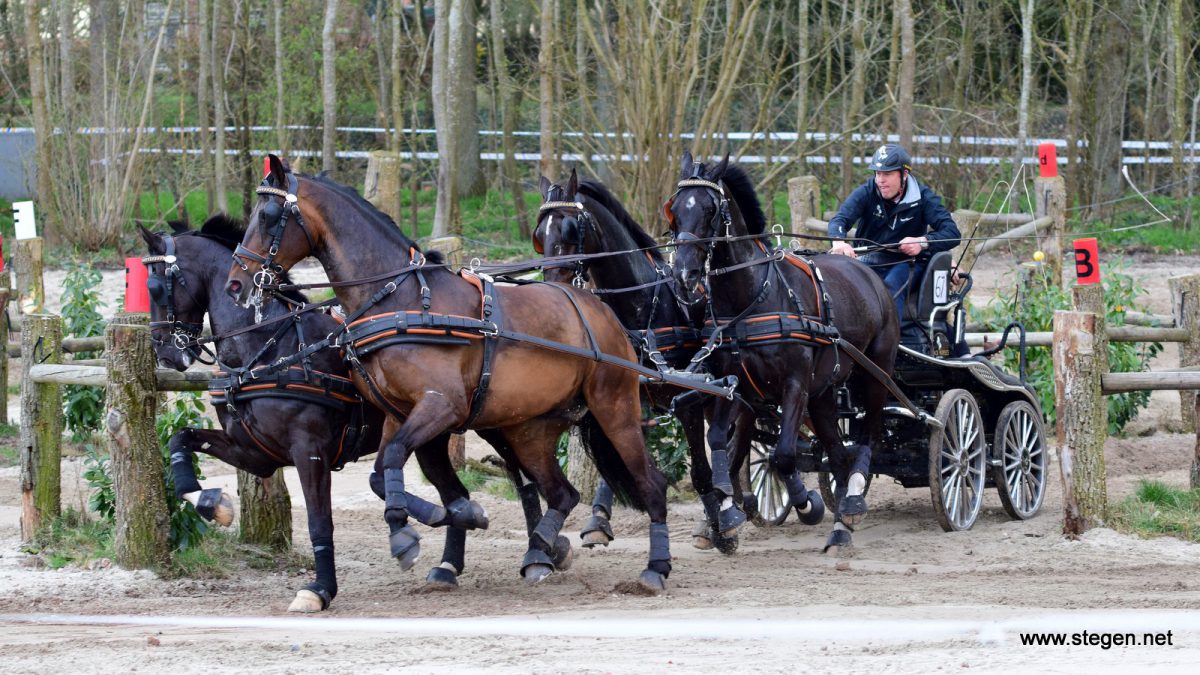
<point>286,226</point>
<point>178,296</point>
<point>564,227</point>
<point>697,214</point>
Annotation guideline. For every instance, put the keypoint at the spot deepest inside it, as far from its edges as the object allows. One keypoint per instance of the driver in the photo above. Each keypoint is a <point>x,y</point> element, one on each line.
<point>894,210</point>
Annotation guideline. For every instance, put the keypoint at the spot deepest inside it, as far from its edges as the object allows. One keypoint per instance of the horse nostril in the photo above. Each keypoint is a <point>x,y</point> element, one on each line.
<point>233,288</point>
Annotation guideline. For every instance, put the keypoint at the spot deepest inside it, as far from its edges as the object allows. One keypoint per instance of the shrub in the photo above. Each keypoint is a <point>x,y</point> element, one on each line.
<point>1034,306</point>
<point>83,406</point>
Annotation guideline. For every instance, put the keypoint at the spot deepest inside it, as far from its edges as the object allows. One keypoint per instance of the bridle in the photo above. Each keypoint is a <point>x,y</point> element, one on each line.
<point>274,216</point>
<point>184,334</point>
<point>584,223</point>
<point>722,220</point>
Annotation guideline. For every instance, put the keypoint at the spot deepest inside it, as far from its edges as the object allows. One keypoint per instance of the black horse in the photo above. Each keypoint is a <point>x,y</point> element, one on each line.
<point>439,352</point>
<point>586,218</point>
<point>308,416</point>
<point>795,330</point>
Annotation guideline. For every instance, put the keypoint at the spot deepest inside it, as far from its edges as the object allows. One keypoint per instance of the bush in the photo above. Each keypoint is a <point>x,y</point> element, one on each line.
<point>82,406</point>
<point>1034,307</point>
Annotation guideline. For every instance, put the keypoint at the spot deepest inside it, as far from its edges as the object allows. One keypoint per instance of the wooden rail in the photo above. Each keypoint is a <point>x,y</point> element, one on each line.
<point>97,376</point>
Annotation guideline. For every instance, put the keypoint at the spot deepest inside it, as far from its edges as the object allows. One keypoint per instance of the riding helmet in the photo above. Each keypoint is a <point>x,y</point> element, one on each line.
<point>890,157</point>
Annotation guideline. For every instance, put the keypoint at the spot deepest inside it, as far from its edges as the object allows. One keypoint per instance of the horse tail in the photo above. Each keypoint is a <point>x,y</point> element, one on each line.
<point>611,466</point>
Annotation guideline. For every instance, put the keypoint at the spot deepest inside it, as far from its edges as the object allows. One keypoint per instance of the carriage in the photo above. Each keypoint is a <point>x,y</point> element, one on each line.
<point>992,434</point>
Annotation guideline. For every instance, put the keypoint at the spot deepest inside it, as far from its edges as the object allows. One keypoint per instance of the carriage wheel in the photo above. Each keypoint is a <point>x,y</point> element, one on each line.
<point>957,460</point>
<point>1020,446</point>
<point>774,502</point>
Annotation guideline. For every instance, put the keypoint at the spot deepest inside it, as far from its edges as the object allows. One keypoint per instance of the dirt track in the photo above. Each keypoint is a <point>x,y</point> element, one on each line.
<point>921,599</point>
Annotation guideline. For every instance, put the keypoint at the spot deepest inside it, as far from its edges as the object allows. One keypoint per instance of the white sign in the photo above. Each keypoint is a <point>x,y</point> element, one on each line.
<point>940,287</point>
<point>23,221</point>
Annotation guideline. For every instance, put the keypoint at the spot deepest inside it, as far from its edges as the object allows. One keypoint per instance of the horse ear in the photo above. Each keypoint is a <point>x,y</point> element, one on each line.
<point>278,170</point>
<point>573,184</point>
<point>153,239</point>
<point>544,186</point>
<point>178,226</point>
<point>685,166</point>
<point>719,170</point>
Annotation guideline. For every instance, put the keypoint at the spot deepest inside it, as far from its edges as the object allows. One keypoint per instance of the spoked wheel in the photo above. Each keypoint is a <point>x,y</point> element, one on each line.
<point>774,502</point>
<point>957,459</point>
<point>1020,446</point>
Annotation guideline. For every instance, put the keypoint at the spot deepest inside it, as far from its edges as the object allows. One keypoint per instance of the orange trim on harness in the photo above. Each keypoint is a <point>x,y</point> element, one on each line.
<point>752,383</point>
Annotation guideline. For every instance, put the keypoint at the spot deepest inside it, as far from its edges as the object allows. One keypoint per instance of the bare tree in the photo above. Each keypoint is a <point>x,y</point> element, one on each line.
<point>41,119</point>
<point>1019,153</point>
<point>281,135</point>
<point>220,65</point>
<point>510,105</point>
<point>1177,63</point>
<point>546,89</point>
<point>908,73</point>
<point>329,87</point>
<point>202,94</point>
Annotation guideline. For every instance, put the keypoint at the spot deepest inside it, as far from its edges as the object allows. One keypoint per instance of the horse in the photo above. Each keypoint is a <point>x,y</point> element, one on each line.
<point>312,418</point>
<point>439,351</point>
<point>584,217</point>
<point>788,326</point>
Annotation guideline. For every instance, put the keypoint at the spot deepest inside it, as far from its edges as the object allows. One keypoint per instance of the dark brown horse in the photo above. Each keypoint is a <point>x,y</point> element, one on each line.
<point>440,352</point>
<point>629,273</point>
<point>313,419</point>
<point>777,319</point>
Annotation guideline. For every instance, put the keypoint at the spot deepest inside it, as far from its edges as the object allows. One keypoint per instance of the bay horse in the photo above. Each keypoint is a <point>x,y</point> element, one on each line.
<point>584,217</point>
<point>439,352</point>
<point>788,326</point>
<point>308,416</point>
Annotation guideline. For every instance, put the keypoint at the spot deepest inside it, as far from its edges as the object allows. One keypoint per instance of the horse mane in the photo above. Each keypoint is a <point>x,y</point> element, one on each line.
<point>599,193</point>
<point>369,210</point>
<point>741,188</point>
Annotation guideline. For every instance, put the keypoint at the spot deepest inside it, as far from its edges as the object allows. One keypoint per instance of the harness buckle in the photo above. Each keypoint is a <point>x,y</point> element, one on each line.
<point>182,340</point>
<point>389,288</point>
<point>491,330</point>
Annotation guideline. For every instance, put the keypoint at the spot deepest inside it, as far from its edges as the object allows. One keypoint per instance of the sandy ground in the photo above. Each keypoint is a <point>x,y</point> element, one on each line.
<point>909,598</point>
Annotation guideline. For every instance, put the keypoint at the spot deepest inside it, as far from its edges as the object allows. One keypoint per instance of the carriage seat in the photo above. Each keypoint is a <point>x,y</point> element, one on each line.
<point>929,293</point>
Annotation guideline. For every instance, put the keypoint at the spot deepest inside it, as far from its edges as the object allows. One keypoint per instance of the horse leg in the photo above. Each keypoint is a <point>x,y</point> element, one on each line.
<point>527,493</point>
<point>823,416</point>
<point>212,503</point>
<point>617,416</point>
<point>597,531</point>
<point>434,460</point>
<point>534,443</point>
<point>691,418</point>
<point>808,503</point>
<point>723,513</point>
<point>315,480</point>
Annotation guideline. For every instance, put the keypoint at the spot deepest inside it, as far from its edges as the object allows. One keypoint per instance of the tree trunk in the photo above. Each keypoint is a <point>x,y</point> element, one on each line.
<point>548,143</point>
<point>445,216</point>
<point>218,88</point>
<point>141,539</point>
<point>41,425</point>
<point>397,120</point>
<point>908,73</point>
<point>1178,63</point>
<point>383,112</point>
<point>510,107</point>
<point>1110,89</point>
<point>803,73</point>
<point>202,105</point>
<point>1079,16</point>
<point>1021,150</point>
<point>42,128</point>
<point>281,135</point>
<point>329,87</point>
<point>1082,420</point>
<point>266,511</point>
<point>858,85</point>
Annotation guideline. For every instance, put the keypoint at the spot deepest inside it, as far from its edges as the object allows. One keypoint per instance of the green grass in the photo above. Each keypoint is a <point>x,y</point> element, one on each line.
<point>9,438</point>
<point>72,538</point>
<point>1156,509</point>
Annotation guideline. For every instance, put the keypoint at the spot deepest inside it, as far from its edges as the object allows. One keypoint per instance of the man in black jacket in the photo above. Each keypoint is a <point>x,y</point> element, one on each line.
<point>894,210</point>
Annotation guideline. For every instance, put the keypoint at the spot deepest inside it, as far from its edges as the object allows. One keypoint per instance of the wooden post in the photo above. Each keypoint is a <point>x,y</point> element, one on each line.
<point>1185,307</point>
<point>1090,298</point>
<point>5,293</point>
<point>968,226</point>
<point>131,402</point>
<point>1051,197</point>
<point>804,200</point>
<point>266,511</point>
<point>1082,419</point>
<point>382,184</point>
<point>41,425</point>
<point>27,262</point>
<point>1196,453</point>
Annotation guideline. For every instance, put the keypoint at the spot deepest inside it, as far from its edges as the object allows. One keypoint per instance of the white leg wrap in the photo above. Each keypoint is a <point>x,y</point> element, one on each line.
<point>728,503</point>
<point>192,497</point>
<point>449,567</point>
<point>856,484</point>
<point>807,507</point>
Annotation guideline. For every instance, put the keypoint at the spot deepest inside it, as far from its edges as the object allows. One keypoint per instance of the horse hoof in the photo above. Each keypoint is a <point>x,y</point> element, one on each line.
<point>440,578</point>
<point>702,536</point>
<point>727,543</point>
<point>837,540</point>
<point>652,581</point>
<point>406,547</point>
<point>730,519</point>
<point>597,531</point>
<point>223,512</point>
<point>852,509</point>
<point>536,573</point>
<point>564,555</point>
<point>213,504</point>
<point>816,509</point>
<point>305,602</point>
